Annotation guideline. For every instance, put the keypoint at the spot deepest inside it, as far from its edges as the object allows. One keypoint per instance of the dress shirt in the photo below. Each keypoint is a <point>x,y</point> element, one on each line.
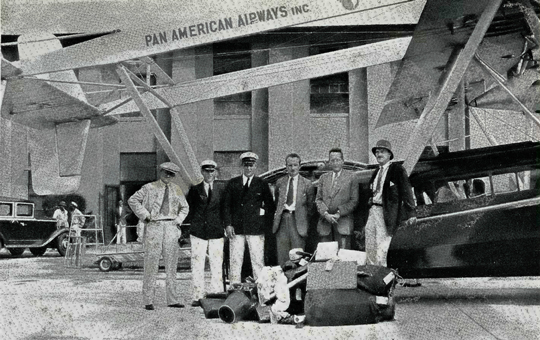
<point>245,178</point>
<point>170,215</point>
<point>292,207</point>
<point>207,187</point>
<point>377,195</point>
<point>335,176</point>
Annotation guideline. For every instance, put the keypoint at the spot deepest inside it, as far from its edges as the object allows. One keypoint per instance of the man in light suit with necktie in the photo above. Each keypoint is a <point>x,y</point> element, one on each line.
<point>337,197</point>
<point>294,196</point>
<point>163,207</point>
<point>391,202</point>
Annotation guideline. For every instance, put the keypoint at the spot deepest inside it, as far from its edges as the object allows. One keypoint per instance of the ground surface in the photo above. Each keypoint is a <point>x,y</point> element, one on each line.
<point>42,299</point>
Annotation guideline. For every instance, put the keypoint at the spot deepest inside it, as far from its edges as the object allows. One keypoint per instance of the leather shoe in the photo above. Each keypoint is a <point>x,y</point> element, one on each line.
<point>149,307</point>
<point>176,305</point>
<point>196,303</point>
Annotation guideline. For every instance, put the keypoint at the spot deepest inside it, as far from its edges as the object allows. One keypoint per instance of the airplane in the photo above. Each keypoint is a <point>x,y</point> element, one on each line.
<point>453,44</point>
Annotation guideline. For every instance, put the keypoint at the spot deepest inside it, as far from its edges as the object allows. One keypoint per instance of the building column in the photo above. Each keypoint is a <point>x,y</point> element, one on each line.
<point>288,109</point>
<point>358,116</point>
<point>163,116</point>
<point>259,110</point>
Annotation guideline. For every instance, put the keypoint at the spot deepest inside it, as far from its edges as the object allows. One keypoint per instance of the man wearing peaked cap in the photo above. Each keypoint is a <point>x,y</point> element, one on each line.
<point>163,207</point>
<point>391,201</point>
<point>77,218</point>
<point>246,205</point>
<point>206,231</point>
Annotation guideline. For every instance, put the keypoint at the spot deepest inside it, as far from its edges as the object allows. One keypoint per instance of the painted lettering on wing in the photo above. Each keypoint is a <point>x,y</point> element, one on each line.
<point>224,24</point>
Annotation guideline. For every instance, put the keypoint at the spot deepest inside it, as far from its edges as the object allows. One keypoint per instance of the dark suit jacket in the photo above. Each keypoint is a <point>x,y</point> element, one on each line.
<point>243,211</point>
<point>397,197</point>
<point>206,216</point>
<point>305,196</point>
<point>343,197</point>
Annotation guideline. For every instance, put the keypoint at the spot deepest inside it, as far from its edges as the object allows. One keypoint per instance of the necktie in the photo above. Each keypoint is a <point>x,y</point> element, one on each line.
<point>165,204</point>
<point>209,192</point>
<point>290,193</point>
<point>334,180</point>
<point>379,177</point>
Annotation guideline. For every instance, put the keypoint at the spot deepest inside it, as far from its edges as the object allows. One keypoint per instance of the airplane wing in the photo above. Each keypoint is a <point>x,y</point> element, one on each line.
<point>57,115</point>
<point>224,20</point>
<point>443,26</point>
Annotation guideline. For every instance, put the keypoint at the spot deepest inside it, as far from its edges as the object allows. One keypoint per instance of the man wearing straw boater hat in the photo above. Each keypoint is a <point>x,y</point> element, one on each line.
<point>163,207</point>
<point>246,204</point>
<point>206,231</point>
<point>391,202</point>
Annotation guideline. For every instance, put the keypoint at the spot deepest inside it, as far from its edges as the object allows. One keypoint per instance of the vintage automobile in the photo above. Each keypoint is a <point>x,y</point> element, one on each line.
<point>19,229</point>
<point>478,213</point>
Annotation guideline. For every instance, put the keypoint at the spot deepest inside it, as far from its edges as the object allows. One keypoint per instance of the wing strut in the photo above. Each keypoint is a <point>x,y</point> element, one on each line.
<point>487,69</point>
<point>160,136</point>
<point>438,102</point>
<point>175,116</point>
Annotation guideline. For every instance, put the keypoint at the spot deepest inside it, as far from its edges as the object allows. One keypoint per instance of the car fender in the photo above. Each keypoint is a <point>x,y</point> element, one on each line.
<point>55,235</point>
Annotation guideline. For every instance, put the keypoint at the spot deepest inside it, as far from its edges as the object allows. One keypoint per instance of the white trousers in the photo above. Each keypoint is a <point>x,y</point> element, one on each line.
<point>256,252</point>
<point>198,259</point>
<point>121,234</point>
<point>161,238</point>
<point>377,237</point>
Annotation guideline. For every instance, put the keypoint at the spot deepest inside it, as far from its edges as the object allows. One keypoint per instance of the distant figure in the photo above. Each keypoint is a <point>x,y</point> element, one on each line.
<point>391,202</point>
<point>77,218</point>
<point>120,215</point>
<point>61,215</point>
<point>163,207</point>
<point>336,200</point>
<point>294,196</point>
<point>206,231</point>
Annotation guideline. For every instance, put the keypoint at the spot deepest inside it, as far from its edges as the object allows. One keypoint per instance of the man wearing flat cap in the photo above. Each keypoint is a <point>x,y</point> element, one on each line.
<point>247,203</point>
<point>391,202</point>
<point>206,231</point>
<point>163,207</point>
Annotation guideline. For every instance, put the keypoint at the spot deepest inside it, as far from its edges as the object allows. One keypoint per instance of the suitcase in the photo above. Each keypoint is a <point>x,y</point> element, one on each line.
<point>340,307</point>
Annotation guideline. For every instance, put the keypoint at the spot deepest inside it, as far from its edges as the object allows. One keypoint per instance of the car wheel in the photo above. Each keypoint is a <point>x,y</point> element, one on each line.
<point>38,251</point>
<point>16,251</point>
<point>62,243</point>
<point>105,264</point>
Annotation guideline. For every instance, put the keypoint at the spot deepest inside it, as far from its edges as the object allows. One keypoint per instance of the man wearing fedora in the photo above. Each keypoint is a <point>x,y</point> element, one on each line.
<point>391,202</point>
<point>163,207</point>
<point>294,197</point>
<point>246,205</point>
<point>337,197</point>
<point>206,231</point>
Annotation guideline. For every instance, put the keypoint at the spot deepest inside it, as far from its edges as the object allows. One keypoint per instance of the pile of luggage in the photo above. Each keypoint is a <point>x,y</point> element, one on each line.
<point>330,288</point>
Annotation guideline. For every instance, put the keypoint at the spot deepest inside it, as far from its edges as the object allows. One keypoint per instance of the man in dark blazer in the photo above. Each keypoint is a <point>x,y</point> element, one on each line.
<point>391,202</point>
<point>246,204</point>
<point>294,196</point>
<point>206,231</point>
<point>337,197</point>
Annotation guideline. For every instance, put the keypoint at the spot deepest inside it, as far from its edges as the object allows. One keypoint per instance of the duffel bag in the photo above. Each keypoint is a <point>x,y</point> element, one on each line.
<point>376,280</point>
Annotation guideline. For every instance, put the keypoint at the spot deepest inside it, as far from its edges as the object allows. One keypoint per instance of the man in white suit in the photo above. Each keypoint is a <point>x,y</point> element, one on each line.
<point>163,207</point>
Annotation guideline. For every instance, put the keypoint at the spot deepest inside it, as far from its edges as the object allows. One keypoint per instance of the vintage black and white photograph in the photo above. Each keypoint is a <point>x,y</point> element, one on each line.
<point>270,169</point>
